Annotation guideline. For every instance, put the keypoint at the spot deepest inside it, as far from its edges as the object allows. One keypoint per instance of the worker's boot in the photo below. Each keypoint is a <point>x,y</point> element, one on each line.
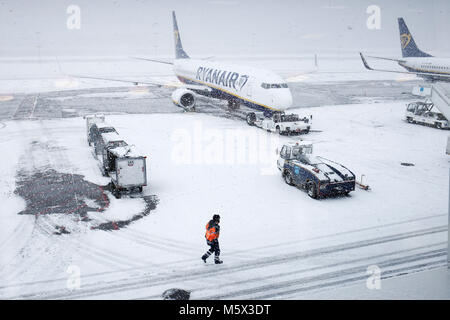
<point>217,260</point>
<point>205,256</point>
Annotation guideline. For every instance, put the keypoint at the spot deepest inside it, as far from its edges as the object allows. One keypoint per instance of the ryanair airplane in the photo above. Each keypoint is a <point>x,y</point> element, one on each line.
<point>416,61</point>
<point>255,88</point>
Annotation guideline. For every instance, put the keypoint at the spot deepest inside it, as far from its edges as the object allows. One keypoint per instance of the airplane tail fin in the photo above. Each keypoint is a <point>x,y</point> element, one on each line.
<point>179,52</point>
<point>409,47</point>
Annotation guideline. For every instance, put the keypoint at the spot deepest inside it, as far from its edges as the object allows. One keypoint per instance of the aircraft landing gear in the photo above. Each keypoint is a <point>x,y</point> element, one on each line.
<point>233,104</point>
<point>251,118</point>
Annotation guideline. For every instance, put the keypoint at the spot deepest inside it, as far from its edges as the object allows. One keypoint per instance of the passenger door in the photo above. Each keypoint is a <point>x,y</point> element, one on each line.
<point>249,88</point>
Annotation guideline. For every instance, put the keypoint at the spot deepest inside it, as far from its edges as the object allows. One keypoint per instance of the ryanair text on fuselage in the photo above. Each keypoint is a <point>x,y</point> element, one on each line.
<point>221,77</point>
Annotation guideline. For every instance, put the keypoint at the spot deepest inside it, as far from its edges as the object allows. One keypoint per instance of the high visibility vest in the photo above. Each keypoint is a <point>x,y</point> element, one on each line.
<point>211,233</point>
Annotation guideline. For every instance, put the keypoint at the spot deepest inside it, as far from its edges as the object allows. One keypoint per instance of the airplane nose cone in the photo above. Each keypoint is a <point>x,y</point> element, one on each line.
<point>283,99</point>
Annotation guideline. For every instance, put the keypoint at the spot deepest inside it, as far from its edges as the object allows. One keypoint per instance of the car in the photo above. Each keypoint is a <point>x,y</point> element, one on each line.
<point>320,177</point>
<point>420,112</point>
<point>283,124</point>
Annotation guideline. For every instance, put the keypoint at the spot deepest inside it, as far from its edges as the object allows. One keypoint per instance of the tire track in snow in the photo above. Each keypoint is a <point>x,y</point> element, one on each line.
<point>390,274</point>
<point>99,254</point>
<point>345,233</point>
<point>199,273</point>
<point>367,261</point>
<point>279,287</point>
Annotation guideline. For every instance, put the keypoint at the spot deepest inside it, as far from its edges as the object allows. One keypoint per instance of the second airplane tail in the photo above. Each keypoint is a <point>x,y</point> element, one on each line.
<point>409,47</point>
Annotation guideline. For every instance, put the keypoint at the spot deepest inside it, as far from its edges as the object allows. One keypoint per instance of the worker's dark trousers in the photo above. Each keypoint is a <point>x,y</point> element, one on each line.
<point>214,248</point>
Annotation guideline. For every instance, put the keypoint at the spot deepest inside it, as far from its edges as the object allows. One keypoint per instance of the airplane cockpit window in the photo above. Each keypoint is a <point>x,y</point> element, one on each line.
<point>273,85</point>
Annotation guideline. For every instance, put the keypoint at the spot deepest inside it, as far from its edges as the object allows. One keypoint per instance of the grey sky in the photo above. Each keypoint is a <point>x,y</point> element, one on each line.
<point>218,27</point>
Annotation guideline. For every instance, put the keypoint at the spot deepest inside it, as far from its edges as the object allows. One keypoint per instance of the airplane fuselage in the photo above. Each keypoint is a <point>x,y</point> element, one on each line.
<point>435,67</point>
<point>258,89</point>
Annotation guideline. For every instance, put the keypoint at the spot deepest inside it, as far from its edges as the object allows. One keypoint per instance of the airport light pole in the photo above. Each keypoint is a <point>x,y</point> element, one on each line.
<point>448,224</point>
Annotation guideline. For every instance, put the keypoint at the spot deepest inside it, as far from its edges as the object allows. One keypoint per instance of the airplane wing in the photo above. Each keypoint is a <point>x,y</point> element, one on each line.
<point>405,72</point>
<point>135,82</point>
<point>153,60</point>
<point>176,84</point>
<point>167,62</point>
<point>389,59</point>
<point>156,84</point>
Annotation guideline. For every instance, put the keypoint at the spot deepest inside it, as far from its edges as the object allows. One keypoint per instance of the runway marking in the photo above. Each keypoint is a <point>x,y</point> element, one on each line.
<point>34,106</point>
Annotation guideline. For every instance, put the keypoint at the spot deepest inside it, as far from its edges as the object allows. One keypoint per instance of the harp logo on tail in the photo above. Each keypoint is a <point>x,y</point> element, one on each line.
<point>405,39</point>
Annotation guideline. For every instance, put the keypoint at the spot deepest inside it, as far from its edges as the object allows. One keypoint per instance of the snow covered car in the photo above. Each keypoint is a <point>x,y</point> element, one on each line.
<point>320,177</point>
<point>279,122</point>
<point>420,112</point>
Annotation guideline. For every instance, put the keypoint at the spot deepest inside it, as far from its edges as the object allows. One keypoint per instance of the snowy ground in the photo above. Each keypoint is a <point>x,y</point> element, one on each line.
<point>276,242</point>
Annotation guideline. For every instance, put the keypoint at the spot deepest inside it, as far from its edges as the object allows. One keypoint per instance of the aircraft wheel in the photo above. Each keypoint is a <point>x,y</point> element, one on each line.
<point>278,130</point>
<point>251,118</point>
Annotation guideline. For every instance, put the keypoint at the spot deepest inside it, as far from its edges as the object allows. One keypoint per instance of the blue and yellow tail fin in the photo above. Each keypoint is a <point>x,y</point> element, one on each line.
<point>409,47</point>
<point>179,52</point>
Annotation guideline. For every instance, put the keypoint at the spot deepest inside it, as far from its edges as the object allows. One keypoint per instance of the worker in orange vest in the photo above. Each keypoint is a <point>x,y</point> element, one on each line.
<point>212,239</point>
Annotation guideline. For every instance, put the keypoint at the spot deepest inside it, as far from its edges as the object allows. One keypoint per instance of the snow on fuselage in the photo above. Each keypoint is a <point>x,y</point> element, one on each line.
<point>255,88</point>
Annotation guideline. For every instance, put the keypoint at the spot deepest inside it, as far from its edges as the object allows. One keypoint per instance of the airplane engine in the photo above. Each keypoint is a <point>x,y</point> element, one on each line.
<point>184,98</point>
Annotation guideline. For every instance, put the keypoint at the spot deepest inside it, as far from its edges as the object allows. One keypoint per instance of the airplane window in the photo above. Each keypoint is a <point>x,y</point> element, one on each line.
<point>273,85</point>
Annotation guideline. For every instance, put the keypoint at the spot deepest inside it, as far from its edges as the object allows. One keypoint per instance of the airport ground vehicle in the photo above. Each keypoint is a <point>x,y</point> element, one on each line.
<point>97,129</point>
<point>126,168</point>
<point>420,112</point>
<point>280,122</point>
<point>92,119</point>
<point>108,140</point>
<point>320,177</point>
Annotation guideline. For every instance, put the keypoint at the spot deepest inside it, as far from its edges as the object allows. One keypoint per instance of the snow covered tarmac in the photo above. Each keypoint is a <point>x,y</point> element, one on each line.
<point>276,242</point>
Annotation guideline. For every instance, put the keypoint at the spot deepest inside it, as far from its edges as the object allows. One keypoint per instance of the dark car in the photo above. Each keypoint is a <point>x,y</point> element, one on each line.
<point>320,177</point>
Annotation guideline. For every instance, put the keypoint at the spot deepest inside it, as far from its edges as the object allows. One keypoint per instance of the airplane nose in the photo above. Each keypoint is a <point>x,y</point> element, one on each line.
<point>283,100</point>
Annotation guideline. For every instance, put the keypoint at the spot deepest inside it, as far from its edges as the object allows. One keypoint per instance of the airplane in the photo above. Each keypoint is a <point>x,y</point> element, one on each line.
<point>416,61</point>
<point>256,88</point>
